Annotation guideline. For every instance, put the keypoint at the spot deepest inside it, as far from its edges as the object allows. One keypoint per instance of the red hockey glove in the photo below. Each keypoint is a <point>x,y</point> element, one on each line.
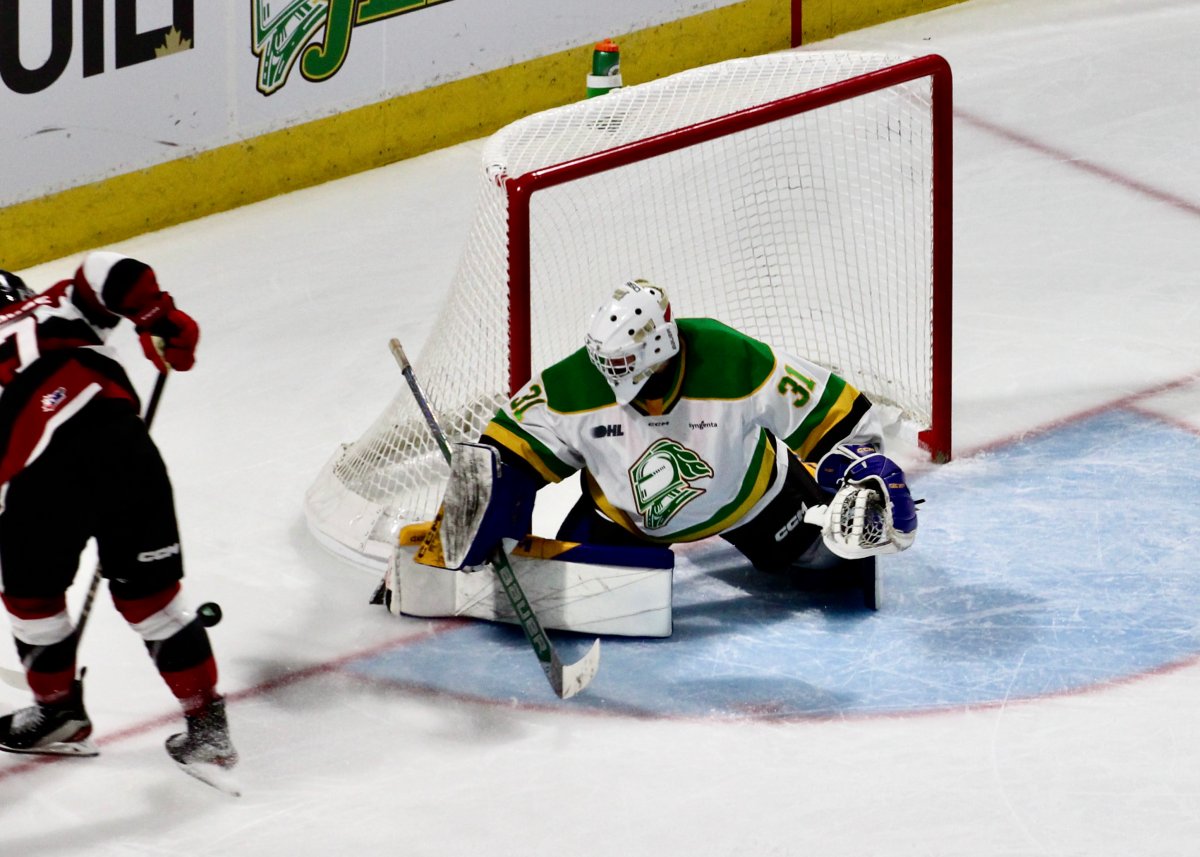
<point>177,331</point>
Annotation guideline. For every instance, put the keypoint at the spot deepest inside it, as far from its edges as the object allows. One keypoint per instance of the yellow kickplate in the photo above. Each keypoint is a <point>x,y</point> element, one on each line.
<point>414,534</point>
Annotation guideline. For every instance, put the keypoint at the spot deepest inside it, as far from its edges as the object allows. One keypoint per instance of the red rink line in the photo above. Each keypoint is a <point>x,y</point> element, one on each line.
<point>33,762</point>
<point>1175,422</point>
<point>1067,159</point>
<point>1130,402</point>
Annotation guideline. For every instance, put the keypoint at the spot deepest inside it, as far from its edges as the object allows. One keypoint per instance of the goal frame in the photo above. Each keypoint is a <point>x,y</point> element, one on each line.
<point>936,439</point>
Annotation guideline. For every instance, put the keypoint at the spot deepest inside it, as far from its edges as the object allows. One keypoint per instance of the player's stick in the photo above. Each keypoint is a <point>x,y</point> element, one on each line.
<point>17,679</point>
<point>566,679</point>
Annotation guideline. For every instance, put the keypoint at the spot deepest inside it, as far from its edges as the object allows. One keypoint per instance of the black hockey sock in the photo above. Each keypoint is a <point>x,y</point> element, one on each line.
<point>185,661</point>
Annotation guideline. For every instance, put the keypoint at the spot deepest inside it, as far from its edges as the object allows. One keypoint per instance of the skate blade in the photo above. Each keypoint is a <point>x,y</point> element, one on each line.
<point>212,775</point>
<point>86,747</point>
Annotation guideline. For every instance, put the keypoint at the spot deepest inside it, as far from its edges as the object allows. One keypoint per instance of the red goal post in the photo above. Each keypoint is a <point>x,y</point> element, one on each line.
<point>803,197</point>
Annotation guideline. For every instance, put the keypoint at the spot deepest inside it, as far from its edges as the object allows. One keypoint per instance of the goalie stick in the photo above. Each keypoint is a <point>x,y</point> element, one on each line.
<point>17,679</point>
<point>566,679</point>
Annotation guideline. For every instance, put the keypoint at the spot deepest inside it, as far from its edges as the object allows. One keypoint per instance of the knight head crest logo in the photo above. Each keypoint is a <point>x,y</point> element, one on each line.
<point>661,480</point>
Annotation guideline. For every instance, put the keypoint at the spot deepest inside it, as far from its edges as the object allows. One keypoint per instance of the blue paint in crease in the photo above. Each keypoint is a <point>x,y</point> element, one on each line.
<point>1058,564</point>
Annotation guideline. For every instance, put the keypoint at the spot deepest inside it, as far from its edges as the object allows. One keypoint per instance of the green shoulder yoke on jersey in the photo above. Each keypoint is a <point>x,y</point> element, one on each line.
<point>722,363</point>
<point>574,386</point>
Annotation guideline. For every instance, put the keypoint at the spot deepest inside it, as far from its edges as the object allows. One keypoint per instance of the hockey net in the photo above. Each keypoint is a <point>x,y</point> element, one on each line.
<point>802,197</point>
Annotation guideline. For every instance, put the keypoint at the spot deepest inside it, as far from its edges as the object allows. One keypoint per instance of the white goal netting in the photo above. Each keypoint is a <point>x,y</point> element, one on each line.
<point>807,222</point>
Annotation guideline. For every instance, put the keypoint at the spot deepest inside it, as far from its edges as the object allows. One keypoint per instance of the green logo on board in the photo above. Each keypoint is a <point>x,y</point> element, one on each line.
<point>284,31</point>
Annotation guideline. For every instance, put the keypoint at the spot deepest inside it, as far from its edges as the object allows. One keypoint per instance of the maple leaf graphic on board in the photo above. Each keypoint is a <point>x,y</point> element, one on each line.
<point>173,43</point>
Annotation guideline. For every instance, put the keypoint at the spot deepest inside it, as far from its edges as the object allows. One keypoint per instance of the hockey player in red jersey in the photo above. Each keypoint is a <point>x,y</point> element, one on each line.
<point>77,462</point>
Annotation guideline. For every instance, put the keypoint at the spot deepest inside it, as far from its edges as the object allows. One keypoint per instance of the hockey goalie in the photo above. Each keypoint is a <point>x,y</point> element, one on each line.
<point>682,429</point>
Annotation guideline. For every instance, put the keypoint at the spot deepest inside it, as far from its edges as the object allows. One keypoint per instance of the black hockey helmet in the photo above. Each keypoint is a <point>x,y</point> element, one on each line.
<point>13,289</point>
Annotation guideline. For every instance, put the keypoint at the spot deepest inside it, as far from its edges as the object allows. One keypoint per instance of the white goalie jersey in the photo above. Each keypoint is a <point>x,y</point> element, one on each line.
<point>702,458</point>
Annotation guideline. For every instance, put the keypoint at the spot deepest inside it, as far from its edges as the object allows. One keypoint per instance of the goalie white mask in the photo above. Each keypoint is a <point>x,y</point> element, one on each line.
<point>630,336</point>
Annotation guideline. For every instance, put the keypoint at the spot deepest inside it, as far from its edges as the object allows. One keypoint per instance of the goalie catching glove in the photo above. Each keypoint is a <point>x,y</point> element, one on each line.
<point>872,510</point>
<point>486,500</point>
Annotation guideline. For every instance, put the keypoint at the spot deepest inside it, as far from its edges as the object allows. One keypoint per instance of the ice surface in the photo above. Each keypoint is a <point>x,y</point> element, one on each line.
<point>1029,687</point>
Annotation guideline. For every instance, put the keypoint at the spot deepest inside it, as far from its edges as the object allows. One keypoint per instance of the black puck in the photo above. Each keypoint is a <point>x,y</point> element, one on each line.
<point>209,613</point>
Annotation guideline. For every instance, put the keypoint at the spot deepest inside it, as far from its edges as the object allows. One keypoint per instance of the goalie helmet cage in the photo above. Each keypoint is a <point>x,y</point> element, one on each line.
<point>803,197</point>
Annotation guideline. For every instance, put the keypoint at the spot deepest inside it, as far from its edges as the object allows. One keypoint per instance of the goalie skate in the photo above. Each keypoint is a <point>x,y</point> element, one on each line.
<point>56,729</point>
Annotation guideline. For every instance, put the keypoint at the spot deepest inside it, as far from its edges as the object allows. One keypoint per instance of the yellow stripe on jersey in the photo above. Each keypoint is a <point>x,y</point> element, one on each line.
<point>519,446</point>
<point>762,481</point>
<point>836,413</point>
<point>614,514</point>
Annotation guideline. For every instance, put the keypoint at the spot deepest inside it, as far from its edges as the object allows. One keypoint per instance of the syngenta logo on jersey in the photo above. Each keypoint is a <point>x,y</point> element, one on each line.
<point>285,30</point>
<point>119,39</point>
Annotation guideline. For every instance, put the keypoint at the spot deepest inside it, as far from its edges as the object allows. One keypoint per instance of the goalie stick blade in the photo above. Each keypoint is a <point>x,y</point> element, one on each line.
<point>212,775</point>
<point>567,680</point>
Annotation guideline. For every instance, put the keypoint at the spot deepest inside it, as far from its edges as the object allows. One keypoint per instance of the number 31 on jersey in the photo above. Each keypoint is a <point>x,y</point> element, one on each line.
<point>798,385</point>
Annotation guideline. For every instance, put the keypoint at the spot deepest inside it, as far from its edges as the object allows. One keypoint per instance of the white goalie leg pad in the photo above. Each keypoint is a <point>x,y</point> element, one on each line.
<point>592,589</point>
<point>391,583</point>
<point>857,523</point>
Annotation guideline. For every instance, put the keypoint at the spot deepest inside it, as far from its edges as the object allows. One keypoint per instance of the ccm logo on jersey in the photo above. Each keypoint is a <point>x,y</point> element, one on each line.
<point>795,521</point>
<point>608,431</point>
<point>161,553</point>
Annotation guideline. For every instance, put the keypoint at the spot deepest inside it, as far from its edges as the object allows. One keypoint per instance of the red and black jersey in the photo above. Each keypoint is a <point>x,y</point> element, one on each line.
<point>53,357</point>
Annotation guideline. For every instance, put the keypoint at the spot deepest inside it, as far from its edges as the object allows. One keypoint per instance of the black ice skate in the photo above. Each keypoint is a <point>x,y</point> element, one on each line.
<point>55,729</point>
<point>205,751</point>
